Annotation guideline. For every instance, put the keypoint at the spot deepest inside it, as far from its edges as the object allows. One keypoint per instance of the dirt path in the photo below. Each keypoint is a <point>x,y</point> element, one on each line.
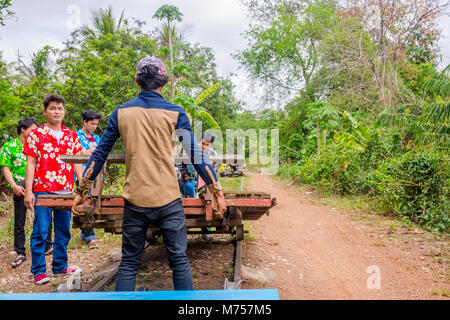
<point>318,252</point>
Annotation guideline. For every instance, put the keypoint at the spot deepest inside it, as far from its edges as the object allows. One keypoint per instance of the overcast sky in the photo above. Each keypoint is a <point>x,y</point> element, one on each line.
<point>213,23</point>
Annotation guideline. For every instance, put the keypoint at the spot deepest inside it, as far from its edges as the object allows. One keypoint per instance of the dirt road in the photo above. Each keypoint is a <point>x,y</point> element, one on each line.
<point>315,251</point>
<point>318,252</point>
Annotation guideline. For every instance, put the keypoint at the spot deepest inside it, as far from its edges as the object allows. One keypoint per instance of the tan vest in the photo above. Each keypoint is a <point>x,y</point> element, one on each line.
<point>151,179</point>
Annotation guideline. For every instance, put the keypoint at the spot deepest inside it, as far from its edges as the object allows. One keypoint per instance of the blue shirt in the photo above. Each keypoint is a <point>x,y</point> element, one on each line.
<point>85,143</point>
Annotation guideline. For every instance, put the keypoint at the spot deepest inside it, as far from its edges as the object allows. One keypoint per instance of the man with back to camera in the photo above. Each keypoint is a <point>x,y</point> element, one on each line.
<point>151,191</point>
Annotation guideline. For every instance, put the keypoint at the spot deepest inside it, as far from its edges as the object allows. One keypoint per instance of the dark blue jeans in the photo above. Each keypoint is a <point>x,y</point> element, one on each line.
<point>20,215</point>
<point>172,222</point>
<point>87,234</point>
<point>41,223</point>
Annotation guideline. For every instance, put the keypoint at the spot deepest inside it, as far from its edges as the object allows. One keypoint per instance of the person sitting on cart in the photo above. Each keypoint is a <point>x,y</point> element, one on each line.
<point>188,179</point>
<point>206,145</point>
<point>89,141</point>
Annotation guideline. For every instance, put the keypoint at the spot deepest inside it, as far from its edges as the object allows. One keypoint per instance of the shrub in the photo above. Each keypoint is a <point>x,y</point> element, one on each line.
<point>285,170</point>
<point>333,171</point>
<point>415,186</point>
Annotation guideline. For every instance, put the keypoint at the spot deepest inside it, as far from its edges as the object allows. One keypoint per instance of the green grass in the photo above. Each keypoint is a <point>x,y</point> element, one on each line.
<point>143,277</point>
<point>393,226</point>
<point>5,290</point>
<point>229,272</point>
<point>248,237</point>
<point>108,239</point>
<point>257,283</point>
<point>442,293</point>
<point>7,225</point>
<point>253,168</point>
<point>234,183</point>
<point>110,287</point>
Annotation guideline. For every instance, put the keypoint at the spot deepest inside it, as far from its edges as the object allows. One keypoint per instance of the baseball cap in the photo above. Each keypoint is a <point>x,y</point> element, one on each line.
<point>153,61</point>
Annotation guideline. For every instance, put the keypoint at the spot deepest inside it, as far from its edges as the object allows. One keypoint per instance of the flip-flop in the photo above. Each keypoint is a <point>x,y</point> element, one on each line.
<point>18,261</point>
<point>92,244</point>
<point>49,251</point>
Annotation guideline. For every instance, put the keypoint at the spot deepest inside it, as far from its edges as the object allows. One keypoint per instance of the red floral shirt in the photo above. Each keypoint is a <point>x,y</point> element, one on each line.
<point>51,173</point>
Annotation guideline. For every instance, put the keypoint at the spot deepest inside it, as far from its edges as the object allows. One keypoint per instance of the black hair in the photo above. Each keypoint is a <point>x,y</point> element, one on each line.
<point>208,137</point>
<point>53,98</point>
<point>150,79</point>
<point>25,123</point>
<point>89,115</point>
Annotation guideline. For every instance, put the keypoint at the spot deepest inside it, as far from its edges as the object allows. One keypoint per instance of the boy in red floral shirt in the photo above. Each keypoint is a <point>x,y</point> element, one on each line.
<point>46,173</point>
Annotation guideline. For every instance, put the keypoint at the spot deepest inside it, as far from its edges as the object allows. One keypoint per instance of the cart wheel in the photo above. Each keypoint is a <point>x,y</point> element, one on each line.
<point>240,232</point>
<point>152,236</point>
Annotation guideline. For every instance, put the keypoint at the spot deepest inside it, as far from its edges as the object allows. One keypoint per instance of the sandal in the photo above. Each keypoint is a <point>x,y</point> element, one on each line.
<point>92,244</point>
<point>18,261</point>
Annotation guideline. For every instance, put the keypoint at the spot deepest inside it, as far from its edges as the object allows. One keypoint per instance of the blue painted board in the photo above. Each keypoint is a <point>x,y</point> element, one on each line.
<point>247,294</point>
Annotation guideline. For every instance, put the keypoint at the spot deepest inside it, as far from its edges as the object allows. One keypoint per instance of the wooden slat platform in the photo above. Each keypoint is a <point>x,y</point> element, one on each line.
<point>249,205</point>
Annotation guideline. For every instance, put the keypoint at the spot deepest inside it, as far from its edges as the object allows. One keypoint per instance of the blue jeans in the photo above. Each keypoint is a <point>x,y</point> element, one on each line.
<point>61,222</point>
<point>172,222</point>
<point>87,234</point>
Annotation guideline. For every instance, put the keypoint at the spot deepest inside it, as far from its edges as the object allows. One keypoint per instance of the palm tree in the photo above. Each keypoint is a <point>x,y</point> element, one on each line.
<point>40,64</point>
<point>103,22</point>
<point>169,13</point>
<point>321,117</point>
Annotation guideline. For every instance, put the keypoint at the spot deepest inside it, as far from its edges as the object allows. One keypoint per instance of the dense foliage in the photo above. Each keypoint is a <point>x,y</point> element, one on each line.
<point>96,70</point>
<point>368,110</point>
<point>362,106</point>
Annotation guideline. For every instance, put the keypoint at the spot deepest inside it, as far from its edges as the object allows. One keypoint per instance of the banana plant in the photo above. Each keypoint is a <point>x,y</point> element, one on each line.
<point>357,138</point>
<point>193,107</point>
